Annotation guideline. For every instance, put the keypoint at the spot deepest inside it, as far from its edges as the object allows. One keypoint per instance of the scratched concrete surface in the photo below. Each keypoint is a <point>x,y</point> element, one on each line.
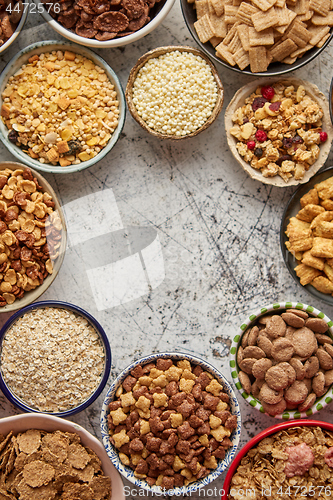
<point>218,228</point>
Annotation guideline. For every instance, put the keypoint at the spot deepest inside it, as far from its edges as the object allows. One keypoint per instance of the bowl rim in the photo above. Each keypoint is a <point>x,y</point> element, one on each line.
<point>49,423</point>
<point>288,415</point>
<point>330,100</point>
<point>46,46</point>
<point>245,91</point>
<point>154,53</point>
<point>103,337</point>
<point>115,42</point>
<point>16,32</point>
<point>128,473</point>
<point>263,434</point>
<point>285,253</point>
<point>13,165</point>
<point>287,67</point>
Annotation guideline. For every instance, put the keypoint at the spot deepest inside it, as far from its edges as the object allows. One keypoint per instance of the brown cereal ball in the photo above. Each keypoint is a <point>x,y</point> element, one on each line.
<point>282,349</point>
<point>298,367</point>
<point>293,319</point>
<point>265,344</point>
<point>310,401</point>
<point>318,384</point>
<point>328,377</point>
<point>276,378</point>
<point>246,365</point>
<point>289,371</point>
<point>325,360</point>
<point>296,393</point>
<point>311,366</point>
<point>260,368</point>
<point>269,395</point>
<point>317,325</point>
<point>253,335</point>
<point>245,381</point>
<point>253,352</point>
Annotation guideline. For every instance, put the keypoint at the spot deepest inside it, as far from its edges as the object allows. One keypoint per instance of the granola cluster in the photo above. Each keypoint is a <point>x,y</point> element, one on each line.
<point>295,463</point>
<point>60,108</point>
<point>279,130</point>
<point>40,465</point>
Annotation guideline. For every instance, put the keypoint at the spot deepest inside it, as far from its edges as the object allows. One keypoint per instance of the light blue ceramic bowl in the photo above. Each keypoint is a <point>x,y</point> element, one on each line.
<point>47,46</point>
<point>127,472</point>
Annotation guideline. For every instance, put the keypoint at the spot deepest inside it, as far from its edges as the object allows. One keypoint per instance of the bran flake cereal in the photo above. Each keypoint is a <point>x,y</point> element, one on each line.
<point>291,464</point>
<point>60,108</point>
<point>39,465</point>
<point>175,93</point>
<point>52,359</point>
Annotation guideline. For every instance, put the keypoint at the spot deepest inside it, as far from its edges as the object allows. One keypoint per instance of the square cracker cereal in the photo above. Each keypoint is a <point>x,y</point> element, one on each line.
<point>223,52</point>
<point>309,212</point>
<point>204,28</point>
<point>265,37</point>
<point>258,59</point>
<point>219,26</point>
<point>306,273</point>
<point>319,20</point>
<point>310,260</point>
<point>323,40</point>
<point>310,197</point>
<point>243,33</point>
<point>230,14</point>
<point>245,12</point>
<point>323,284</point>
<point>264,20</point>
<point>218,6</point>
<point>264,4</point>
<point>317,33</point>
<point>281,50</point>
<point>299,34</point>
<point>321,7</point>
<point>242,58</point>
<point>322,247</point>
<point>215,40</point>
<point>325,189</point>
<point>202,8</point>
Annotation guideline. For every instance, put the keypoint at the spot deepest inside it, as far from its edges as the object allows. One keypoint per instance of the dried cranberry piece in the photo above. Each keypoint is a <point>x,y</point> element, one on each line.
<point>297,140</point>
<point>275,106</point>
<point>323,136</point>
<point>283,158</point>
<point>13,136</point>
<point>259,102</point>
<point>287,142</point>
<point>251,145</point>
<point>268,92</point>
<point>261,136</point>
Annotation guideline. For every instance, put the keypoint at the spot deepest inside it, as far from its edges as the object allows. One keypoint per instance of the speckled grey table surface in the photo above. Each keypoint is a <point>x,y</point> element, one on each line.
<point>218,230</point>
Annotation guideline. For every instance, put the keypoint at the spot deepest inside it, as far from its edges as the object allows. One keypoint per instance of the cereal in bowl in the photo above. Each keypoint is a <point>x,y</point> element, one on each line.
<point>293,463</point>
<point>279,130</point>
<point>41,465</point>
<point>171,423</point>
<point>60,108</point>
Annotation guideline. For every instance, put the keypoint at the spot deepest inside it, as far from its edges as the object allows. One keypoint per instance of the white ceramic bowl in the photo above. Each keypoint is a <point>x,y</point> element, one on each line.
<point>19,27</point>
<point>239,100</point>
<point>127,472</point>
<point>47,46</point>
<point>280,307</point>
<point>162,12</point>
<point>33,295</point>
<point>21,423</point>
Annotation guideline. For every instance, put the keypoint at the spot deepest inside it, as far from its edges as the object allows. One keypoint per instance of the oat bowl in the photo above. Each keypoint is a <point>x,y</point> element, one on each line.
<point>170,421</point>
<point>62,107</point>
<point>50,457</point>
<point>287,460</point>
<point>282,360</point>
<point>64,357</point>
<point>33,235</point>
<point>279,131</point>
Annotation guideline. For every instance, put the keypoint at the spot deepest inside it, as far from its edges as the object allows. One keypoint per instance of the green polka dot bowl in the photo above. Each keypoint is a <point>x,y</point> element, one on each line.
<point>252,319</point>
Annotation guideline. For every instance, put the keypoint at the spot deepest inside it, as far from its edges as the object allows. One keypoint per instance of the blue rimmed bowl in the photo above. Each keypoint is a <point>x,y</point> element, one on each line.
<point>280,307</point>
<point>48,46</point>
<point>20,403</point>
<point>127,472</point>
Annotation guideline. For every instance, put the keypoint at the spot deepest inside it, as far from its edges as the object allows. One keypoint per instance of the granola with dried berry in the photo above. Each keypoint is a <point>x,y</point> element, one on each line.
<point>279,130</point>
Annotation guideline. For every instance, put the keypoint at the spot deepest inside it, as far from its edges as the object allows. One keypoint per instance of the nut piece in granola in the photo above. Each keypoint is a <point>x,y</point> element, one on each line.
<point>60,108</point>
<point>278,130</point>
<point>60,356</point>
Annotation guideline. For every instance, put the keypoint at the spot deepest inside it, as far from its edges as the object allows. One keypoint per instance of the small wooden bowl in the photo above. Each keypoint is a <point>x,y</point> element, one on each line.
<point>156,53</point>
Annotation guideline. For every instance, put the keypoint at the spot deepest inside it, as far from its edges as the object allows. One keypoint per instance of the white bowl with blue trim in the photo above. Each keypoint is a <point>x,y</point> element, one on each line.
<point>127,472</point>
<point>48,46</point>
<point>279,307</point>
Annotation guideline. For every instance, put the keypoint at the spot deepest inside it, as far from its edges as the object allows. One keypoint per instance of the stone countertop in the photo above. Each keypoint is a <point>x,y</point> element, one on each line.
<point>218,230</point>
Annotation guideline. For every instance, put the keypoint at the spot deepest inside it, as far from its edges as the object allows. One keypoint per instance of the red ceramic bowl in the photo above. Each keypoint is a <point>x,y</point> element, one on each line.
<point>263,434</point>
